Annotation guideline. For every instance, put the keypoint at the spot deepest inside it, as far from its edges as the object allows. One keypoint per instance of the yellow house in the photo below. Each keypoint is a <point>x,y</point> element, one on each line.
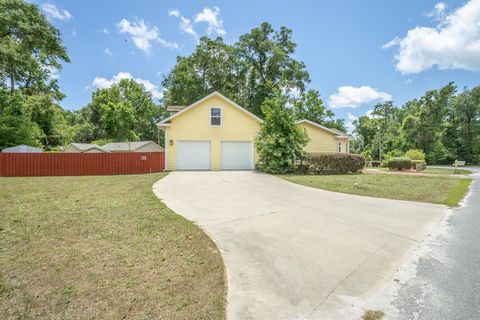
<point>215,133</point>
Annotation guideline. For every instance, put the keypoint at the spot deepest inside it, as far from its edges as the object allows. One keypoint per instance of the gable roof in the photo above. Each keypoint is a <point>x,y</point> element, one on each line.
<point>87,146</point>
<point>22,148</point>
<point>193,105</point>
<point>337,133</point>
<point>127,146</point>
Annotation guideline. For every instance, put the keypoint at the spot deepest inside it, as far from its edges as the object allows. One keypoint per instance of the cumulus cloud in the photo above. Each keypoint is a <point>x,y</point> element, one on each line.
<point>212,18</point>
<point>438,11</point>
<point>207,15</point>
<point>349,125</point>
<point>101,83</point>
<point>55,13</point>
<point>353,97</point>
<point>108,52</point>
<point>453,44</point>
<point>143,35</point>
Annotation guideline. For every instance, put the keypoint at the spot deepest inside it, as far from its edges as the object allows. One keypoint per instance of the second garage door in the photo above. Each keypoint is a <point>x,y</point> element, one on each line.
<point>237,155</point>
<point>193,155</point>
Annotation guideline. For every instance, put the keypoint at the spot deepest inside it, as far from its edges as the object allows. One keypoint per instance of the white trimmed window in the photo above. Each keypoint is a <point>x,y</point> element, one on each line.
<point>215,116</point>
<point>339,147</point>
<point>348,147</point>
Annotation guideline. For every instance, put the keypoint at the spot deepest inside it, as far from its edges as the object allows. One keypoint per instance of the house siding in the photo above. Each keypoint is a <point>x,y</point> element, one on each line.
<point>322,140</point>
<point>194,124</point>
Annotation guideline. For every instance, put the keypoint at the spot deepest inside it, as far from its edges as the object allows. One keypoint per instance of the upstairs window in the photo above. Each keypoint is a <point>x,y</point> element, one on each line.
<point>215,116</point>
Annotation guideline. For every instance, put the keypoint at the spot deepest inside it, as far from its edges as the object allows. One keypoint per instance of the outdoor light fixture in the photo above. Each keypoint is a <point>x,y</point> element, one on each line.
<point>171,142</point>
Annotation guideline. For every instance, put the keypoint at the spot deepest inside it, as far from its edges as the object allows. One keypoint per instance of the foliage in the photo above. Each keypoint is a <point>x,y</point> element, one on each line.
<point>125,111</point>
<point>419,165</point>
<point>280,141</point>
<point>390,154</point>
<point>443,124</point>
<point>415,154</point>
<point>330,163</point>
<point>30,46</point>
<point>399,163</point>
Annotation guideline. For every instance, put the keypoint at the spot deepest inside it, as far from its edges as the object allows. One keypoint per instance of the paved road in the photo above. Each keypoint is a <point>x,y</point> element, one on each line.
<point>447,283</point>
<point>294,252</point>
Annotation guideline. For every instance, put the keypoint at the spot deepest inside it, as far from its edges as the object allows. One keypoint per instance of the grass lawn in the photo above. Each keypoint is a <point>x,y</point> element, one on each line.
<point>441,190</point>
<point>102,247</point>
<point>435,170</point>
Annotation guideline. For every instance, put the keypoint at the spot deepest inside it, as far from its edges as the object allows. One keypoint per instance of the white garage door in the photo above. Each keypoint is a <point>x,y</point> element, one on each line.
<point>237,155</point>
<point>193,155</point>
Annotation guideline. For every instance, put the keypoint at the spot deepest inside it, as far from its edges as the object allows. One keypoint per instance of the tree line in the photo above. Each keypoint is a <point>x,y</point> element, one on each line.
<point>443,123</point>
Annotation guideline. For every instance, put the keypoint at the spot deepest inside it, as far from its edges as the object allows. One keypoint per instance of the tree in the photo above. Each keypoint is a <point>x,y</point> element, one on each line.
<point>125,111</point>
<point>280,141</point>
<point>30,47</point>
<point>310,106</point>
<point>268,65</point>
<point>213,66</point>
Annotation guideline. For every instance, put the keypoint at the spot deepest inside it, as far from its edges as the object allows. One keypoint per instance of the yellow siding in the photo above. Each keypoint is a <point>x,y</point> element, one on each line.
<point>322,140</point>
<point>194,124</point>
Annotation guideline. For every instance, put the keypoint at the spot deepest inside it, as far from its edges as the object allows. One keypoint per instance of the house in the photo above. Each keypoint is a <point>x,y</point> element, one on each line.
<point>323,139</point>
<point>22,149</point>
<point>215,133</point>
<point>134,146</point>
<point>84,148</point>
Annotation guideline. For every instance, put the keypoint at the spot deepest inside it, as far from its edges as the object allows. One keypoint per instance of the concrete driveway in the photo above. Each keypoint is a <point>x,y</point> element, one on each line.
<point>294,252</point>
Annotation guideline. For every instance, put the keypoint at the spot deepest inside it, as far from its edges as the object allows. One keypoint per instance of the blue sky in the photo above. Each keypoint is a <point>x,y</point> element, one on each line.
<point>357,52</point>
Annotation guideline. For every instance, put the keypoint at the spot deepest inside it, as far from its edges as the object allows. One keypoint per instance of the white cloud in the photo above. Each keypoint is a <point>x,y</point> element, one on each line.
<point>453,44</point>
<point>53,12</point>
<point>105,30</point>
<point>143,35</point>
<point>438,11</point>
<point>352,97</point>
<point>108,52</point>
<point>349,125</point>
<point>174,13</point>
<point>74,32</point>
<point>212,18</point>
<point>102,83</point>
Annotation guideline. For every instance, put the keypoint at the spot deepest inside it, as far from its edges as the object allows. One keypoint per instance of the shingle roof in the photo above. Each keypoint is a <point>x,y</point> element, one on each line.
<point>87,146</point>
<point>126,146</point>
<point>23,149</point>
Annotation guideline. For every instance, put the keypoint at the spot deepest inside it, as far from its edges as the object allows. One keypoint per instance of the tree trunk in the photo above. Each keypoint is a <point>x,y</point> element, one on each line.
<point>12,84</point>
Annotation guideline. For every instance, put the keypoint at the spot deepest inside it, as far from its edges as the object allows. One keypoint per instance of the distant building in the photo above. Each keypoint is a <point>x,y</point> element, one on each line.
<point>84,148</point>
<point>134,146</point>
<point>22,149</point>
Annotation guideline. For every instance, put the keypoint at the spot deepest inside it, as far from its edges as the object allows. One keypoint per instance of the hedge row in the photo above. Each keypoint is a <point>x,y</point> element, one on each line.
<point>399,163</point>
<point>330,163</point>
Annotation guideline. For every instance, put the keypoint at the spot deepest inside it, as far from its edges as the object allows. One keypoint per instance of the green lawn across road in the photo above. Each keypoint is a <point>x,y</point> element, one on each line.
<point>441,190</point>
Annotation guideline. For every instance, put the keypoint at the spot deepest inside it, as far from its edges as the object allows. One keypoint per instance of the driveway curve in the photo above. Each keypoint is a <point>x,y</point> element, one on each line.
<point>294,252</point>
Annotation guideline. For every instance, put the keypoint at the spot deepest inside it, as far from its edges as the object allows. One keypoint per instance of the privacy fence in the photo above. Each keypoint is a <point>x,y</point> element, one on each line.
<point>79,164</point>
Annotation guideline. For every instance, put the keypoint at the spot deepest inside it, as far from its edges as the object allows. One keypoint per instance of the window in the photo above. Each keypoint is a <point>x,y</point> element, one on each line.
<point>339,147</point>
<point>348,147</point>
<point>215,116</point>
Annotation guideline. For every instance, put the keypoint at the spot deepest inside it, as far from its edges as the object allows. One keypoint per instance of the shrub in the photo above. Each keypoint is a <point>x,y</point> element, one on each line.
<point>420,166</point>
<point>415,162</point>
<point>399,163</point>
<point>280,141</point>
<point>415,154</point>
<point>330,163</point>
<point>390,154</point>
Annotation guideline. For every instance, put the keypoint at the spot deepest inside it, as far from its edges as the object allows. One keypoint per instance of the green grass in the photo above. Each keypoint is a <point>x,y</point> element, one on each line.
<point>102,247</point>
<point>436,170</point>
<point>440,190</point>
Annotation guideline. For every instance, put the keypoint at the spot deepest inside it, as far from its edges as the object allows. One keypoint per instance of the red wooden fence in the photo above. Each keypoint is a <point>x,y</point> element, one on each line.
<point>80,164</point>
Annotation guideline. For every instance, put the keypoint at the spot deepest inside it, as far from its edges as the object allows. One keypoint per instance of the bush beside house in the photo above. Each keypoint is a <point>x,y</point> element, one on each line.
<point>330,163</point>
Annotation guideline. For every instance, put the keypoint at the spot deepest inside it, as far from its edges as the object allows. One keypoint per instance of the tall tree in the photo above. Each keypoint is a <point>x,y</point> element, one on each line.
<point>125,111</point>
<point>269,65</point>
<point>30,47</point>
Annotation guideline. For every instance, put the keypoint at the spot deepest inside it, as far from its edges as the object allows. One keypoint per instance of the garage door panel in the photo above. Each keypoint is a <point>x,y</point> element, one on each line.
<point>237,155</point>
<point>193,155</point>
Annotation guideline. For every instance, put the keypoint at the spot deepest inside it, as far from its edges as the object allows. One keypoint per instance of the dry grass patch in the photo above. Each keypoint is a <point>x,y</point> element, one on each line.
<point>102,247</point>
<point>373,315</point>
